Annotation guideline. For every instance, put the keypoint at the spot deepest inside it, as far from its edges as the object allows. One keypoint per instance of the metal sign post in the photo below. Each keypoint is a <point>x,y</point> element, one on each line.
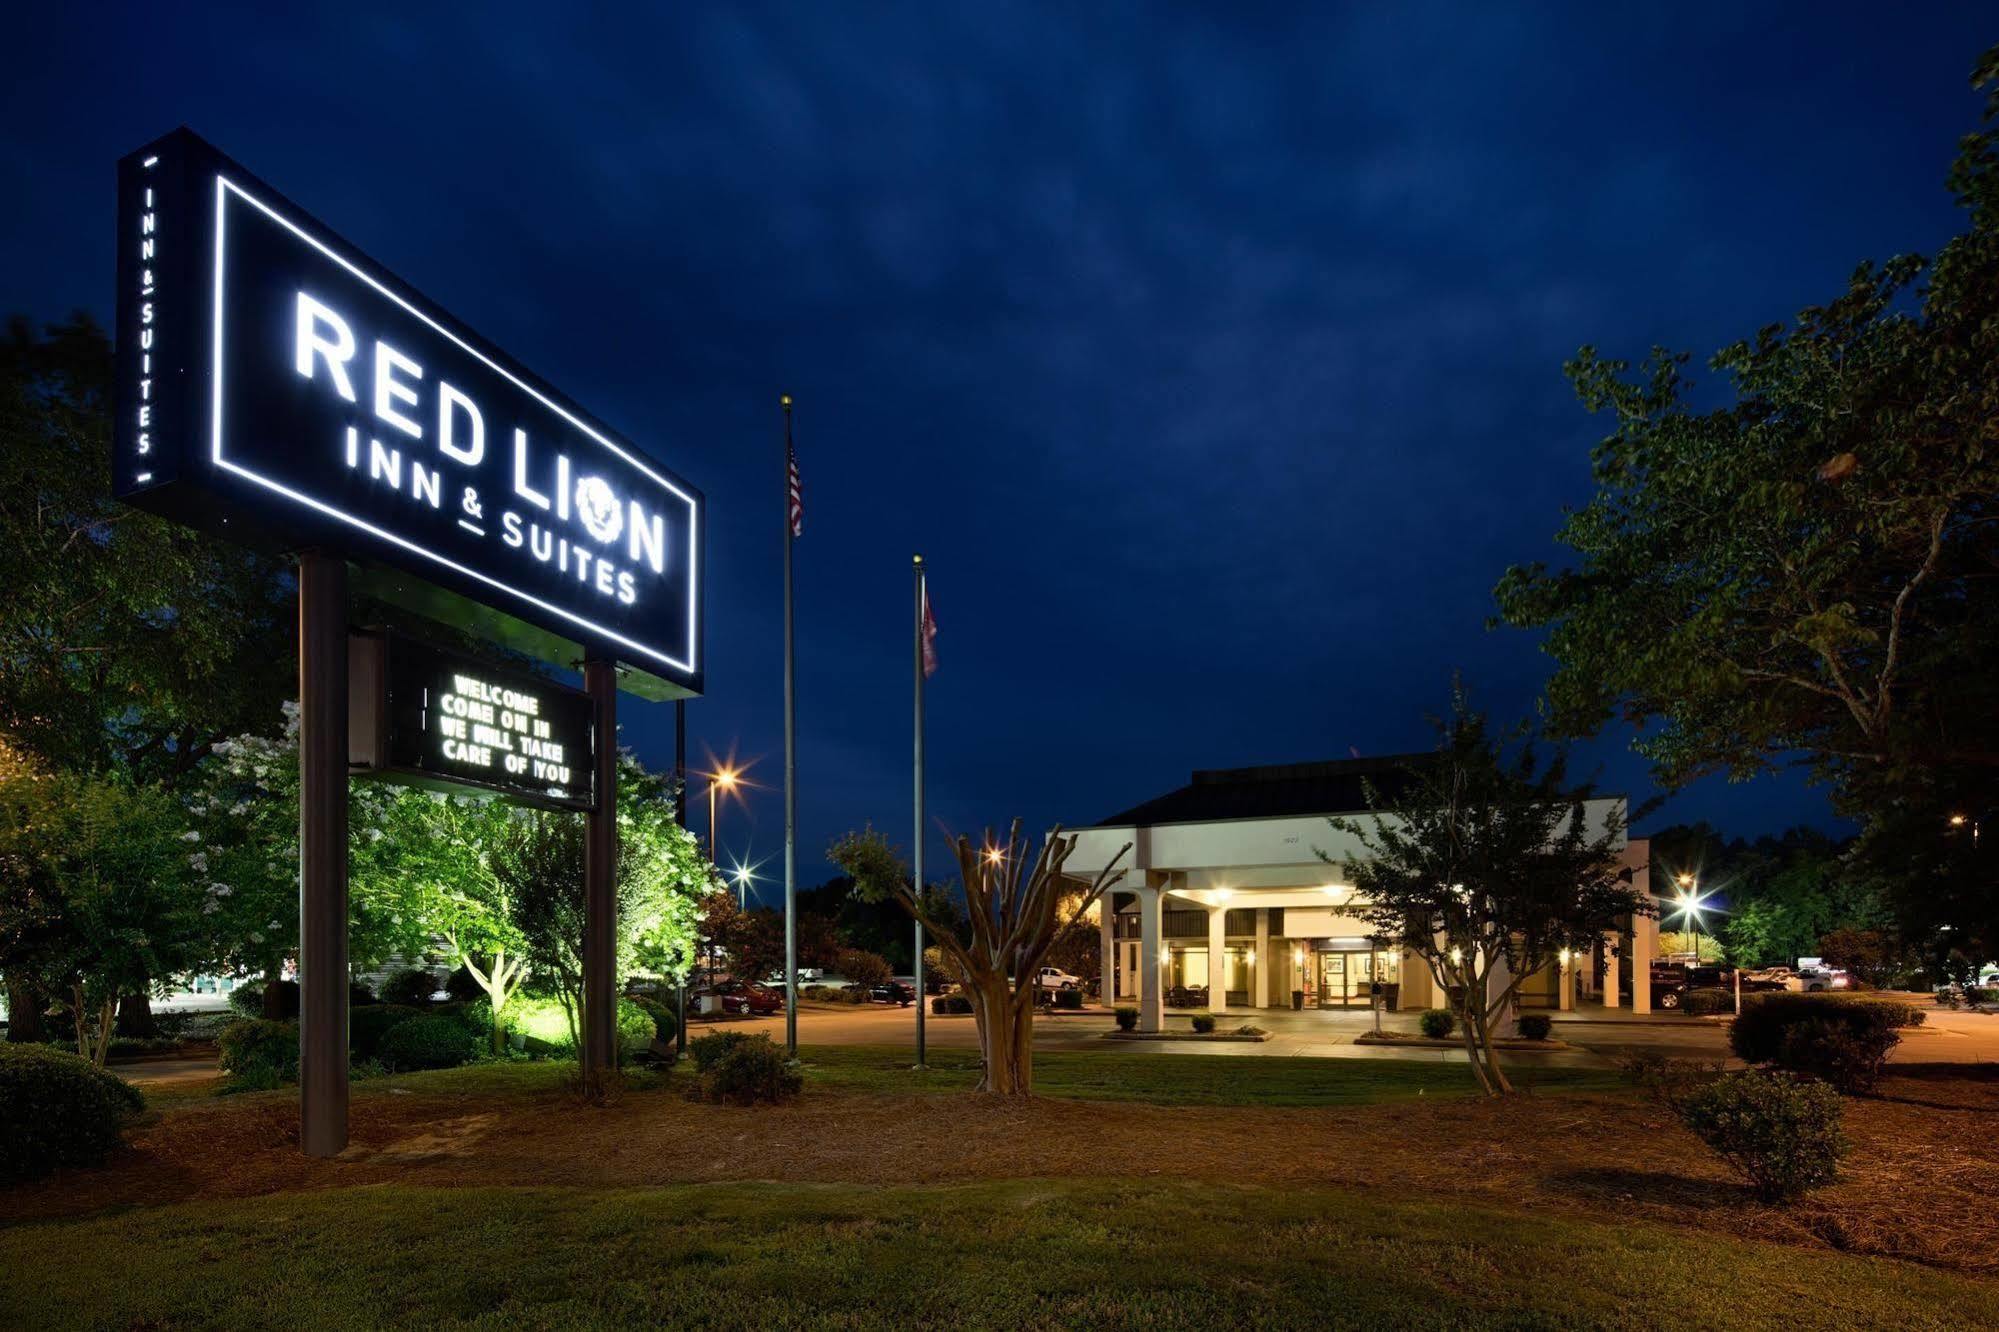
<point>600,888</point>
<point>322,853</point>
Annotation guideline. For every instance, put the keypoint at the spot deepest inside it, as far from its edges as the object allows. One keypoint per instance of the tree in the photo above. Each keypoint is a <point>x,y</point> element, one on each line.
<point>242,847</point>
<point>865,969</point>
<point>127,642</point>
<point>426,857</point>
<point>1486,867</point>
<point>753,940</point>
<point>1014,914</point>
<point>94,895</point>
<point>1804,571</point>
<point>662,880</point>
<point>1874,957</point>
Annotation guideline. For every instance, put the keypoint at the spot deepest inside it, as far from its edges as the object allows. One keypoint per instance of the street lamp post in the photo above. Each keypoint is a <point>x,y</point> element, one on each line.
<point>722,779</point>
<point>1690,913</point>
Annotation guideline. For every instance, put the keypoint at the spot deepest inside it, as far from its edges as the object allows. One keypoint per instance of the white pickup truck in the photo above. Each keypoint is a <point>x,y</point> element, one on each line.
<point>1054,978</point>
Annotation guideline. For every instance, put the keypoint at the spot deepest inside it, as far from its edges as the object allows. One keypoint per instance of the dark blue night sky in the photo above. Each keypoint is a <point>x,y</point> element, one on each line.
<point>1212,356</point>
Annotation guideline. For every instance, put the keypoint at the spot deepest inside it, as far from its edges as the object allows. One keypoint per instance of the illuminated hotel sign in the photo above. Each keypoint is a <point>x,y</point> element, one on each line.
<point>419,713</point>
<point>279,388</point>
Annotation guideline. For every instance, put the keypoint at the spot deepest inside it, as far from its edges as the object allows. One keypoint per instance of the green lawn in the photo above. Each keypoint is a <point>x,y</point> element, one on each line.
<point>1016,1255</point>
<point>1111,1074</point>
<point>1116,1074</point>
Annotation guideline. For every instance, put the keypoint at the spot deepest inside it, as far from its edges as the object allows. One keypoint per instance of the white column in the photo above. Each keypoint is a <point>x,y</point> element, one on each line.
<point>1613,944</point>
<point>1644,946</point>
<point>1264,961</point>
<point>1218,936</point>
<point>1565,980</point>
<point>1644,929</point>
<point>1151,968</point>
<point>1107,991</point>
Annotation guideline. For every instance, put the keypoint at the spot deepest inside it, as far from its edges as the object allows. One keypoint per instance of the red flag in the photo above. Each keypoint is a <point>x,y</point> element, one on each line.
<point>929,635</point>
<point>797,493</point>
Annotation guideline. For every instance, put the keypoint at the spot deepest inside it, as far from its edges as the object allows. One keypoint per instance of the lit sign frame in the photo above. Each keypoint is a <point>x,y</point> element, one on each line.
<point>177,452</point>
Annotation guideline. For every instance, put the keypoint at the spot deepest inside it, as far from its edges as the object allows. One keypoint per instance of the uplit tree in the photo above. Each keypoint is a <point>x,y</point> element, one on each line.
<point>1015,911</point>
<point>242,852</point>
<point>1484,864</point>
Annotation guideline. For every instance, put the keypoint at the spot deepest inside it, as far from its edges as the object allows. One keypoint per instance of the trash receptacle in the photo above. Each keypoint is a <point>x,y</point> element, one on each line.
<point>1297,1000</point>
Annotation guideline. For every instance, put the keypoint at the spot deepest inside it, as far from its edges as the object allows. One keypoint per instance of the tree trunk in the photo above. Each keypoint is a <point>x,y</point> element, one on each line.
<point>24,1011</point>
<point>274,995</point>
<point>135,1016</point>
<point>1006,1029</point>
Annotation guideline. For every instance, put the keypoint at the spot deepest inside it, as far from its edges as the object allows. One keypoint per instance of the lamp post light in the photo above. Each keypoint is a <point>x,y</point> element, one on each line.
<point>1690,912</point>
<point>722,779</point>
<point>1965,820</point>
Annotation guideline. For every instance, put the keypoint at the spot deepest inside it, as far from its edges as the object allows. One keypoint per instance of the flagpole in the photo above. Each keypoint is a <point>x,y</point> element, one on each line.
<point>790,773</point>
<point>916,852</point>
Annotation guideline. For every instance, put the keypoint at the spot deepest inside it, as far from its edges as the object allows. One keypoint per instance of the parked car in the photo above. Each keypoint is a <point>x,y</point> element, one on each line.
<point>893,992</point>
<point>748,997</point>
<point>806,976</point>
<point>1812,980</point>
<point>1054,978</point>
<point>1671,982</point>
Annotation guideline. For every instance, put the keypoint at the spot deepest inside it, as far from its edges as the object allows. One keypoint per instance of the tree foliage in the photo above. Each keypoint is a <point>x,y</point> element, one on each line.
<point>127,642</point>
<point>1486,866</point>
<point>1803,571</point>
<point>94,894</point>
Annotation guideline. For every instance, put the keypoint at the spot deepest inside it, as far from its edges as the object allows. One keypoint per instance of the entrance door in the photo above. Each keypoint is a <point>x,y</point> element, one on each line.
<point>1360,980</point>
<point>1332,980</point>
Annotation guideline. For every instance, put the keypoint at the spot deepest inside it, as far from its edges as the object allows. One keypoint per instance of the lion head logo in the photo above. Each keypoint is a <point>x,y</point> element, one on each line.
<point>598,507</point>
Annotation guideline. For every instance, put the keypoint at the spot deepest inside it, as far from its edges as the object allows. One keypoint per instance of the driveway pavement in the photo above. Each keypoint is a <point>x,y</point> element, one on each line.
<point>1599,1037</point>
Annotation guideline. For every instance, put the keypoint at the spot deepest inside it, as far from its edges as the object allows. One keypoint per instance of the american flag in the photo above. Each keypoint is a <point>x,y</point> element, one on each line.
<point>929,635</point>
<point>795,491</point>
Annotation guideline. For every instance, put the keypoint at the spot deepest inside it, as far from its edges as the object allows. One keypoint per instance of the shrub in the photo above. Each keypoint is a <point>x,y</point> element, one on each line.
<point>1669,1080</point>
<point>1701,1003</point>
<point>1535,1026</point>
<point>1437,1022</point>
<point>409,985</point>
<point>665,1021</point>
<point>1779,1132</point>
<point>430,1041</point>
<point>1204,1023</point>
<point>1757,1034</point>
<point>59,1109</point>
<point>258,1053</point>
<point>367,1026</point>
<point>752,1069</point>
<point>1849,1057</point>
<point>460,986</point>
<point>249,999</point>
<point>359,995</point>
<point>708,1051</point>
<point>950,1003</point>
<point>1127,1018</point>
<point>1069,999</point>
<point>822,993</point>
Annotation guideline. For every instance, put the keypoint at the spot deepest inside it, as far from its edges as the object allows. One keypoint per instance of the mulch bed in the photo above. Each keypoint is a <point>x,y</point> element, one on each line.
<point>1418,1041</point>
<point>1919,1185</point>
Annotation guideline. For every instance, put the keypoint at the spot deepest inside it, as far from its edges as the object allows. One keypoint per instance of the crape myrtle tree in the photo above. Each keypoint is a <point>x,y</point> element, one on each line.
<point>1803,567</point>
<point>95,901</point>
<point>241,850</point>
<point>1485,866</point>
<point>1015,910</point>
